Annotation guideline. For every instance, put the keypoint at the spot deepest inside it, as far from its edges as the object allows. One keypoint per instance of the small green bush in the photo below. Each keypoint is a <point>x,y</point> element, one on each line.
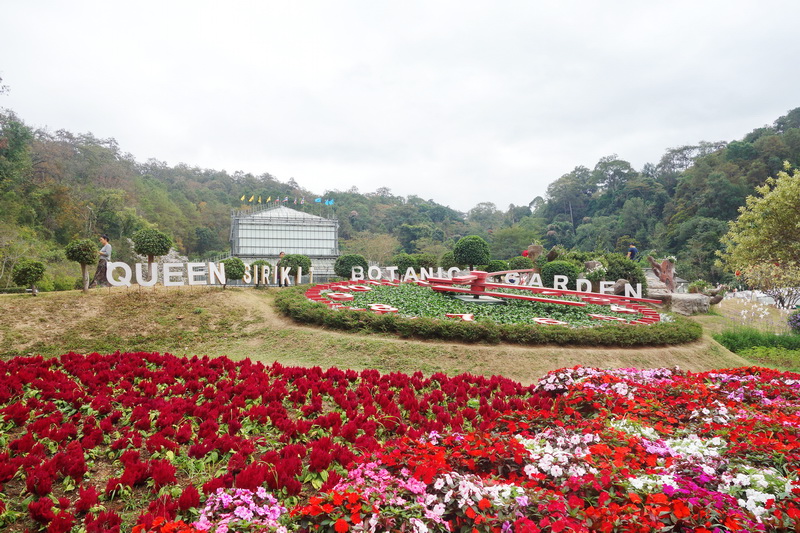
<point>449,261</point>
<point>405,261</point>
<point>520,263</point>
<point>426,260</point>
<point>619,267</point>
<point>560,268</point>
<point>27,273</point>
<point>472,250</point>
<point>794,322</point>
<point>497,265</point>
<point>742,339</point>
<point>295,261</point>
<point>234,269</point>
<point>255,271</point>
<point>345,263</point>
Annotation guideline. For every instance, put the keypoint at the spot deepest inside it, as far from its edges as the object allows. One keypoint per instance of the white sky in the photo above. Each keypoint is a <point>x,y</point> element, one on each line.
<point>461,101</point>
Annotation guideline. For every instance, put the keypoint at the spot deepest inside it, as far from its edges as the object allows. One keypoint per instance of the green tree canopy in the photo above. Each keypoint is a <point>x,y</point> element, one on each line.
<point>345,263</point>
<point>768,227</point>
<point>293,261</point>
<point>83,252</point>
<point>234,269</point>
<point>151,242</point>
<point>471,250</point>
<point>28,273</point>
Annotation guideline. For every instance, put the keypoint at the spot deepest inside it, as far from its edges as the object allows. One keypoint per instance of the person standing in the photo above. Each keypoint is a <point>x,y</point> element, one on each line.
<point>632,251</point>
<point>101,274</point>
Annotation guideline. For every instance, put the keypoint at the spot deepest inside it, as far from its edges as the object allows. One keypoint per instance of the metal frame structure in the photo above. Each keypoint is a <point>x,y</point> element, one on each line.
<point>262,233</point>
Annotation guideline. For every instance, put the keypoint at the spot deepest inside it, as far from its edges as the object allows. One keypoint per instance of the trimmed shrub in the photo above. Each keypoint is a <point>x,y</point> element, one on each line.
<point>619,267</point>
<point>426,260</point>
<point>27,273</point>
<point>497,265</point>
<point>255,270</point>
<point>471,250</point>
<point>234,269</point>
<point>83,252</point>
<point>295,261</point>
<point>520,263</point>
<point>345,263</point>
<point>560,268</point>
<point>403,262</point>
<point>150,243</point>
<point>449,261</point>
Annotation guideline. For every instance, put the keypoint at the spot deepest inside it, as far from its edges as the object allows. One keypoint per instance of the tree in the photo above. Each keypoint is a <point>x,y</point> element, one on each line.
<point>294,262</point>
<point>28,273</point>
<point>256,270</point>
<point>345,263</point>
<point>404,261</point>
<point>766,230</point>
<point>234,269</point>
<point>471,250</point>
<point>151,242</point>
<point>83,252</point>
<point>781,283</point>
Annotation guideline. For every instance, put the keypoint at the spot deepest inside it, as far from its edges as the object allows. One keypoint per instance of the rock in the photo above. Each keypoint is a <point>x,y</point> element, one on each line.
<point>690,304</point>
<point>534,251</point>
<point>591,265</point>
<point>619,287</point>
<point>663,295</point>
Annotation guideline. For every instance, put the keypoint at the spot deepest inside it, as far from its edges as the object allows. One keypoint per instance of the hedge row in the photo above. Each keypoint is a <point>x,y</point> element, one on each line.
<point>745,338</point>
<point>293,303</point>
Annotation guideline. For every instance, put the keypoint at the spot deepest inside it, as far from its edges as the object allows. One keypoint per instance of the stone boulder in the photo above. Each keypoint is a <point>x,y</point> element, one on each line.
<point>690,304</point>
<point>619,287</point>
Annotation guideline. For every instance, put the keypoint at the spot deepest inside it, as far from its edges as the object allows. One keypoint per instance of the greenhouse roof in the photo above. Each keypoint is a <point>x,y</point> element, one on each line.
<point>279,212</point>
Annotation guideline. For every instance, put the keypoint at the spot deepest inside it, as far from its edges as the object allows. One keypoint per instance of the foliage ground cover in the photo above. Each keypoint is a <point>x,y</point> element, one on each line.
<point>100,442</point>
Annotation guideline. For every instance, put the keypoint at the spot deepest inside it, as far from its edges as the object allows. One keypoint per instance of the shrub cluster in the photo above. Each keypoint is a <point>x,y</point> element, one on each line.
<point>560,268</point>
<point>294,304</point>
<point>745,338</point>
<point>794,322</point>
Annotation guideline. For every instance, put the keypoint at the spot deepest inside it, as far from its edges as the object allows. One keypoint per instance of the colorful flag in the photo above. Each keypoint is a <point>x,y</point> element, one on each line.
<point>285,198</point>
<point>318,200</point>
<point>251,198</point>
<point>259,199</point>
<point>295,200</point>
<point>303,200</point>
<point>269,199</point>
<point>242,198</point>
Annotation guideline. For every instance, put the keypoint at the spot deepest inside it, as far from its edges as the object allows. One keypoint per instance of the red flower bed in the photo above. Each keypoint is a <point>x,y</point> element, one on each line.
<point>85,438</point>
<point>101,443</point>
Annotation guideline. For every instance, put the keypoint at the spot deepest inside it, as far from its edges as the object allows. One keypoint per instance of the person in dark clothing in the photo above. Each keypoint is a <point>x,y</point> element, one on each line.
<point>632,251</point>
<point>101,275</point>
<point>278,270</point>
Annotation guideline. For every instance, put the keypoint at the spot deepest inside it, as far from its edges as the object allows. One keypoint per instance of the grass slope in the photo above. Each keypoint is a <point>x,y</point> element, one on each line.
<point>241,323</point>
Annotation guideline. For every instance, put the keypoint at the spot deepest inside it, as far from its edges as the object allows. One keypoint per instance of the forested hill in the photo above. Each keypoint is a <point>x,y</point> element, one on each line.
<point>55,187</point>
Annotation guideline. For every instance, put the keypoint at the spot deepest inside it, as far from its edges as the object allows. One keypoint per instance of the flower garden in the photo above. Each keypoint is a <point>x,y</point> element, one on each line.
<point>157,443</point>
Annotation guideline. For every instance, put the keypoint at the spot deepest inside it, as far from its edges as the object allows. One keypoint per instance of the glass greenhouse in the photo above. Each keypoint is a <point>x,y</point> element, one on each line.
<point>263,233</point>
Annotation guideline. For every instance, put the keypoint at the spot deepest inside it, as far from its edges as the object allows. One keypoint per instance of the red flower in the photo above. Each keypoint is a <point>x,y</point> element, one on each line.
<point>341,526</point>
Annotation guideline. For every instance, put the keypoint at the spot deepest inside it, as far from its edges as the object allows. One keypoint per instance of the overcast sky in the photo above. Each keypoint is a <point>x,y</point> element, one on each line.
<point>460,102</point>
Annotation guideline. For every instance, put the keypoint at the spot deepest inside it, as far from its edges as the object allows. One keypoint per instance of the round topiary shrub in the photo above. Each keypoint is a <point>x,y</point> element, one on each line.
<point>619,267</point>
<point>255,271</point>
<point>234,269</point>
<point>27,273</point>
<point>449,261</point>
<point>151,243</point>
<point>497,265</point>
<point>345,263</point>
<point>295,261</point>
<point>472,250</point>
<point>520,263</point>
<point>426,260</point>
<point>560,268</point>
<point>405,261</point>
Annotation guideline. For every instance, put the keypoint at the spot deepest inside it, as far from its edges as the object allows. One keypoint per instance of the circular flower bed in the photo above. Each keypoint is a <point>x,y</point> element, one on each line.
<point>413,300</point>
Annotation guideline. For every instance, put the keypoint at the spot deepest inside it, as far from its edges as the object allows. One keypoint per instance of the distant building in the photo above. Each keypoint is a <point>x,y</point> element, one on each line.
<point>264,232</point>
